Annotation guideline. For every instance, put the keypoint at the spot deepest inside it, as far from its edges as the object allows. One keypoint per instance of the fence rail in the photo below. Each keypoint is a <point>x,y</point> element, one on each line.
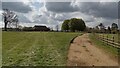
<point>109,41</point>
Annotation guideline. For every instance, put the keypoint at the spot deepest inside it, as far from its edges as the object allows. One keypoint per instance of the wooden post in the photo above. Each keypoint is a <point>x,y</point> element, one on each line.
<point>113,40</point>
<point>119,38</point>
<point>103,39</point>
<point>107,40</point>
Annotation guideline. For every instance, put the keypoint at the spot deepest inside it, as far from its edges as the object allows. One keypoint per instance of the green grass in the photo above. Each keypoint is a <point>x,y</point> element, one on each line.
<point>0,47</point>
<point>109,49</point>
<point>35,48</point>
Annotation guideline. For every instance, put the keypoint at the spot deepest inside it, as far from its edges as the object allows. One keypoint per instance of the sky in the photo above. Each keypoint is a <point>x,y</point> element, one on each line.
<point>52,12</point>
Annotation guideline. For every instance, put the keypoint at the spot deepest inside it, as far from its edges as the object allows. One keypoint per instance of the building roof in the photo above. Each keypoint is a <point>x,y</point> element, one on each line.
<point>39,26</point>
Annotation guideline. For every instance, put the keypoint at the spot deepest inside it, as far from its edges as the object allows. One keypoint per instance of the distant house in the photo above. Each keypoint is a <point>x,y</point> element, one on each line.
<point>40,28</point>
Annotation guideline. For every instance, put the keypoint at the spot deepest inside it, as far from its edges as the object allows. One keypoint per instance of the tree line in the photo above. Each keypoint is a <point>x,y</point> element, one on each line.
<point>75,24</point>
<point>101,28</point>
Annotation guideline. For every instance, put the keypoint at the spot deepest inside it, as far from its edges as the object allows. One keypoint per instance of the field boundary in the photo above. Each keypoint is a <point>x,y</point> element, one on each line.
<point>75,37</point>
<point>107,40</point>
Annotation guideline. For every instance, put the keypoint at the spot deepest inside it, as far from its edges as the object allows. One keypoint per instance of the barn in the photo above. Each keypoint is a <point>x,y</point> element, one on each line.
<point>41,28</point>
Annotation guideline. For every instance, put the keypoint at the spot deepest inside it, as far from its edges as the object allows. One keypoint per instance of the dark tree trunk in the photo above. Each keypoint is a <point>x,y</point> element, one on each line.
<point>5,21</point>
<point>5,26</point>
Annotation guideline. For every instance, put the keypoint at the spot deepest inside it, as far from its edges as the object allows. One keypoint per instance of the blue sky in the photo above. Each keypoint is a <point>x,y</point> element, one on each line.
<point>42,12</point>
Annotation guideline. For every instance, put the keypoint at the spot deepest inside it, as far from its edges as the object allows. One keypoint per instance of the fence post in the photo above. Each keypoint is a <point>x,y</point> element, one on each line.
<point>103,39</point>
<point>113,40</point>
<point>119,38</point>
<point>107,40</point>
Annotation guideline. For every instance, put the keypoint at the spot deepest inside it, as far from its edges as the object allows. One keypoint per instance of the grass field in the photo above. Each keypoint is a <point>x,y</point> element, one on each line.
<point>0,47</point>
<point>35,48</point>
<point>109,49</point>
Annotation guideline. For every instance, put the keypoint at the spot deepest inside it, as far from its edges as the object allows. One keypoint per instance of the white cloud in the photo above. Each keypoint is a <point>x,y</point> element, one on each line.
<point>41,15</point>
<point>1,24</point>
<point>59,0</point>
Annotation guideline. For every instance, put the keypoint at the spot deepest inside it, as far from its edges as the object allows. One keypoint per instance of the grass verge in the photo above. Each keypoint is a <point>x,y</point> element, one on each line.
<point>109,49</point>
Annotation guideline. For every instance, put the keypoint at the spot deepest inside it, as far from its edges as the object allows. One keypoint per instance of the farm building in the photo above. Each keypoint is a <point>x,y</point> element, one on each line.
<point>41,28</point>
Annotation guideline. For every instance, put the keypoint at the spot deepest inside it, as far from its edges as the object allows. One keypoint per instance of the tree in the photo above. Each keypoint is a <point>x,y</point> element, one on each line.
<point>77,25</point>
<point>65,25</point>
<point>102,27</point>
<point>109,29</point>
<point>5,15</point>
<point>9,17</point>
<point>114,27</point>
<point>73,25</point>
<point>96,29</point>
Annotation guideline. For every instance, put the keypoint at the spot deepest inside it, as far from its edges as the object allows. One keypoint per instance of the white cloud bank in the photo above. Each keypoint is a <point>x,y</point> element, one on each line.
<point>54,12</point>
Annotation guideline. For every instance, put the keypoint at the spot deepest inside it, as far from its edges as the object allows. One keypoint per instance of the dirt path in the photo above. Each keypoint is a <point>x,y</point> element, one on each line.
<point>83,53</point>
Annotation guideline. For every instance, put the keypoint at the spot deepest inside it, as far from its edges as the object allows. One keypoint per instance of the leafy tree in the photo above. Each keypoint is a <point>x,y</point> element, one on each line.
<point>65,26</point>
<point>74,24</point>
<point>102,27</point>
<point>114,27</point>
<point>96,29</point>
<point>109,29</point>
<point>77,25</point>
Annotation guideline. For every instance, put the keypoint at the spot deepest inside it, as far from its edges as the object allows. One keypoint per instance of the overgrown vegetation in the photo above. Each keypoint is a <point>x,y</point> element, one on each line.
<point>35,48</point>
<point>101,28</point>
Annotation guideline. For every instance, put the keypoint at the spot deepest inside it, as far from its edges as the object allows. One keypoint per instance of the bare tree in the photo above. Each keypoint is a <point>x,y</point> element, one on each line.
<point>10,18</point>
